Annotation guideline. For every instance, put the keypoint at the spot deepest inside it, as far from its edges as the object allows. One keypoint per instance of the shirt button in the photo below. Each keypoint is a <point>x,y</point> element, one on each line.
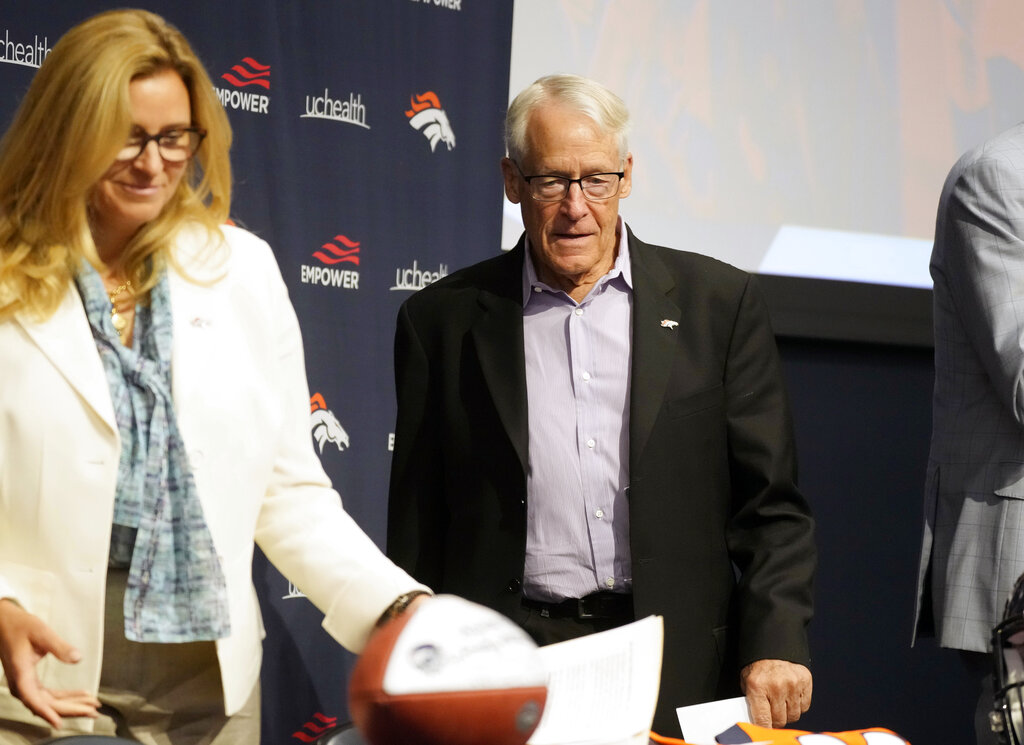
<point>609,582</point>
<point>598,514</point>
<point>591,443</point>
<point>536,288</point>
<point>586,376</point>
<point>578,311</point>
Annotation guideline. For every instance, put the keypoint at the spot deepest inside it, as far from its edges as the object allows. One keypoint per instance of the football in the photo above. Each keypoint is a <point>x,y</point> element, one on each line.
<point>449,672</point>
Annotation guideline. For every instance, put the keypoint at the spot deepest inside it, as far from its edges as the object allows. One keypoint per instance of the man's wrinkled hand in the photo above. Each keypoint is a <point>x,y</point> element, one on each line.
<point>24,641</point>
<point>778,692</point>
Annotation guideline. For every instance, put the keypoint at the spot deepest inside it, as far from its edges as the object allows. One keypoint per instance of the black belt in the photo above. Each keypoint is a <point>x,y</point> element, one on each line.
<point>596,605</point>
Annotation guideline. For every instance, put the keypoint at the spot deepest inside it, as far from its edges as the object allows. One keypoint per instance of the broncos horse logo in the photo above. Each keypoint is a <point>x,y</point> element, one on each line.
<point>326,427</point>
<point>428,117</point>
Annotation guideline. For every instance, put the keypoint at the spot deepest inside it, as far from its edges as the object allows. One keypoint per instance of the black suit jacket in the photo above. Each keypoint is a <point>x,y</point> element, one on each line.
<point>721,539</point>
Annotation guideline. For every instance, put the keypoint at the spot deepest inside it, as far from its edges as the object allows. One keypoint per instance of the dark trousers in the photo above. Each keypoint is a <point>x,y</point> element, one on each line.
<point>552,630</point>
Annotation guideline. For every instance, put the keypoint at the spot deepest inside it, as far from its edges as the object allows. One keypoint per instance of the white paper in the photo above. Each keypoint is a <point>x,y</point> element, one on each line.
<point>602,688</point>
<point>700,723</point>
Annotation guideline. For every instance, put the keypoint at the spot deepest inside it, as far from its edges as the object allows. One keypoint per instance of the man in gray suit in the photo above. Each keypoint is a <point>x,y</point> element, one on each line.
<point>973,546</point>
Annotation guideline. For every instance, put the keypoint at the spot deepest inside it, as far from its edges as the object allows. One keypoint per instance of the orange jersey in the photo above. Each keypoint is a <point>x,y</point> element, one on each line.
<point>748,734</point>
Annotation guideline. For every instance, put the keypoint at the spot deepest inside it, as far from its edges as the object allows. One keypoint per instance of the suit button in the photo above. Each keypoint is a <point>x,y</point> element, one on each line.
<point>514,585</point>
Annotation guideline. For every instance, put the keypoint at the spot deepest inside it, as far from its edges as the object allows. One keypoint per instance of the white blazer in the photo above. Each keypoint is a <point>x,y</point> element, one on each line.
<point>242,401</point>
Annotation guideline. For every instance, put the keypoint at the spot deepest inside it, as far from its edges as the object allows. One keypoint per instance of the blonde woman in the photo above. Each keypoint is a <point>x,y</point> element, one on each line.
<point>153,411</point>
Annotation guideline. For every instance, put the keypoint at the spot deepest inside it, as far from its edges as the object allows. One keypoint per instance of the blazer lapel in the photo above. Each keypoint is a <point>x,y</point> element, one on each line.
<point>654,343</point>
<point>66,339</point>
<point>498,335</point>
<point>197,312</point>
<point>198,309</point>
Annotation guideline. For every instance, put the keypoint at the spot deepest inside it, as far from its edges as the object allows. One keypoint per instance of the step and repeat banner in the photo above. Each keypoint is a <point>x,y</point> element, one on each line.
<point>367,141</point>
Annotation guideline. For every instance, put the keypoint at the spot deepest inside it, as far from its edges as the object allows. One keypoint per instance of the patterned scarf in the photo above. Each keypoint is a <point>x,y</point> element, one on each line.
<point>176,590</point>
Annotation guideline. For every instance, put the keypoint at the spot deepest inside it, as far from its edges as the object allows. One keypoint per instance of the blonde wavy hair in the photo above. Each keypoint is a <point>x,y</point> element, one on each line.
<point>73,120</point>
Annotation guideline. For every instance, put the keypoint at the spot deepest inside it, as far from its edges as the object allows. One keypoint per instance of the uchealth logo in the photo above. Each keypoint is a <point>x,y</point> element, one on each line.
<point>21,51</point>
<point>347,111</point>
<point>413,278</point>
<point>324,425</point>
<point>247,79</point>
<point>427,116</point>
<point>293,593</point>
<point>316,726</point>
<point>336,257</point>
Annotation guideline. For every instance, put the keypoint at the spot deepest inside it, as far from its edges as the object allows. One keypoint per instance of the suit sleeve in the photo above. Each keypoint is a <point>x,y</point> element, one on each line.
<point>417,514</point>
<point>302,526</point>
<point>982,266</point>
<point>771,532</point>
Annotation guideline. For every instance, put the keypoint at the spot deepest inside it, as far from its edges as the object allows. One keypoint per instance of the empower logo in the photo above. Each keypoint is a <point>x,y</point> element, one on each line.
<point>249,72</point>
<point>340,250</point>
<point>241,96</point>
<point>447,4</point>
<point>316,726</point>
<point>427,116</point>
<point>332,254</point>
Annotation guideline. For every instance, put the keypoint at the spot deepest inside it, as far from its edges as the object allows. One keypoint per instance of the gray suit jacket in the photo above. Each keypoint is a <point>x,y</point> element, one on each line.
<point>973,547</point>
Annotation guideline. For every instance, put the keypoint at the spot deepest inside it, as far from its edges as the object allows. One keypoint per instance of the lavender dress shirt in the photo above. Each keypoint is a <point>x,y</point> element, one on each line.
<point>577,382</point>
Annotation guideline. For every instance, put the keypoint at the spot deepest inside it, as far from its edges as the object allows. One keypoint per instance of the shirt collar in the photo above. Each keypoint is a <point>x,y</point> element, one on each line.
<point>621,268</point>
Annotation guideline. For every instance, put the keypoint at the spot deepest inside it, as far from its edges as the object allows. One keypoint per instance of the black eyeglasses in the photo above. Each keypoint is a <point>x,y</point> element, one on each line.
<point>175,145</point>
<point>595,187</point>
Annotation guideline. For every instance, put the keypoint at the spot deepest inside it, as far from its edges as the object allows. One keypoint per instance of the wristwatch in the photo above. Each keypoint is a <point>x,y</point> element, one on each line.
<point>398,607</point>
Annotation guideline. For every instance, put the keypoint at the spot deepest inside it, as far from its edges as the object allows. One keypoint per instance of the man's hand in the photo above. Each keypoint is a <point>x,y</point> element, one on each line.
<point>24,641</point>
<point>778,692</point>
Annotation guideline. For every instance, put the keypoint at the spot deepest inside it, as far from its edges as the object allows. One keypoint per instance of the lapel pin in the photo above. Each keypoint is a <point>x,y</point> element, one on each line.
<point>667,324</point>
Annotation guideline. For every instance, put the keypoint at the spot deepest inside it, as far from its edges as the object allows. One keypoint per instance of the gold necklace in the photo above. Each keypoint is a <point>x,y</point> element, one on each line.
<point>119,321</point>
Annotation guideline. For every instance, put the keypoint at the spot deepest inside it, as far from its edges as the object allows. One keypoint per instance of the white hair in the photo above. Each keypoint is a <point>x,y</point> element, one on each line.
<point>586,96</point>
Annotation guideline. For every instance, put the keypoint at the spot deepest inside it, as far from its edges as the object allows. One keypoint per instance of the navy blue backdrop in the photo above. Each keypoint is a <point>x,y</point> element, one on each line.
<point>367,139</point>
